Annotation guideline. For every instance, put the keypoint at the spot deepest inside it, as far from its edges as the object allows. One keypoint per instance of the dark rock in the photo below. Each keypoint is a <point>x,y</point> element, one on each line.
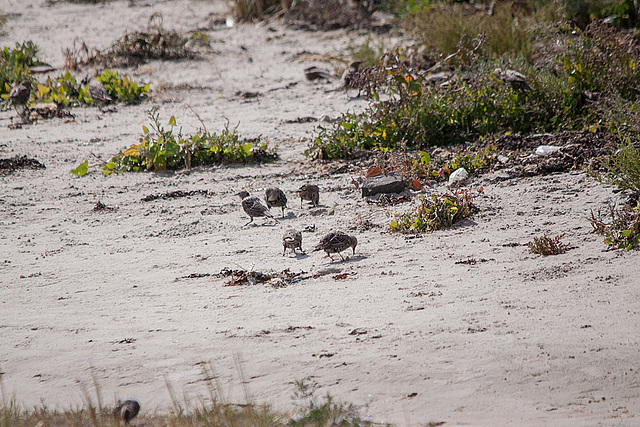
<point>382,184</point>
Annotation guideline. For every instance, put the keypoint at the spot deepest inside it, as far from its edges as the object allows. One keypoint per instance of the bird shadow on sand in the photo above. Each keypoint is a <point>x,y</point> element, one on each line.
<point>298,255</point>
<point>265,224</point>
<point>348,259</point>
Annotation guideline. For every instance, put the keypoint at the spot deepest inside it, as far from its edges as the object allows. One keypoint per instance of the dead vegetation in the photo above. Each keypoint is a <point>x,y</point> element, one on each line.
<point>139,47</point>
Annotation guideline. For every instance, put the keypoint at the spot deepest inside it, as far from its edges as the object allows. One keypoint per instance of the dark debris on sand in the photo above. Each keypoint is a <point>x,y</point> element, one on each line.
<point>177,194</point>
<point>19,162</point>
<point>278,279</point>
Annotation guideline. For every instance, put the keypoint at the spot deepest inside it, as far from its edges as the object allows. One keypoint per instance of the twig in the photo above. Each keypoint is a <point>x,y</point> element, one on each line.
<point>198,117</point>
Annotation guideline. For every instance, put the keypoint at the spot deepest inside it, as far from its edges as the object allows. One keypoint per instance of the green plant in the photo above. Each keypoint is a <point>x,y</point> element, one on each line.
<point>436,212</point>
<point>121,88</point>
<point>620,227</point>
<point>420,115</point>
<point>621,168</point>
<point>326,412</point>
<point>66,90</point>
<point>545,245</point>
<point>161,149</point>
<point>15,64</point>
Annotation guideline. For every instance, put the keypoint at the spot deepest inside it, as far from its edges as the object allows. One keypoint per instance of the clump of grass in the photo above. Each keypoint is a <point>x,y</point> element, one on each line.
<point>620,227</point>
<point>251,10</point>
<point>545,245</point>
<point>443,26</point>
<point>324,412</point>
<point>436,212</point>
<point>213,411</point>
<point>161,149</point>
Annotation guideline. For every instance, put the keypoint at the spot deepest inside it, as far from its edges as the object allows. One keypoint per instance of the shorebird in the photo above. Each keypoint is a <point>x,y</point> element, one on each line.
<point>514,78</point>
<point>19,96</point>
<point>253,206</point>
<point>317,73</point>
<point>348,77</point>
<point>126,410</point>
<point>336,241</point>
<point>275,197</point>
<point>98,92</point>
<point>309,192</point>
<point>292,239</point>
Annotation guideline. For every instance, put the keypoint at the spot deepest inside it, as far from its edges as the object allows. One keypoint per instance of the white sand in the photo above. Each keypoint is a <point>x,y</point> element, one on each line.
<point>517,339</point>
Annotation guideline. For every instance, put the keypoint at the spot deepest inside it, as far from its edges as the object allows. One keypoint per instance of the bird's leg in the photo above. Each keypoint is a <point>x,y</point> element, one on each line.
<point>249,221</point>
<point>283,212</point>
<point>339,253</point>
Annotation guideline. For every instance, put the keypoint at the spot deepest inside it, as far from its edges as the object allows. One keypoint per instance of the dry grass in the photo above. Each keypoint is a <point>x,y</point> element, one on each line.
<point>212,411</point>
<point>252,10</point>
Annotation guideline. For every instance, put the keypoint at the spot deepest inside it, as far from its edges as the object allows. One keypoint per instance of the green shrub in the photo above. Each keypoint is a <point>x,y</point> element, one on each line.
<point>66,90</point>
<point>160,149</point>
<point>15,63</point>
<point>620,227</point>
<point>621,168</point>
<point>121,88</point>
<point>436,212</point>
<point>418,116</point>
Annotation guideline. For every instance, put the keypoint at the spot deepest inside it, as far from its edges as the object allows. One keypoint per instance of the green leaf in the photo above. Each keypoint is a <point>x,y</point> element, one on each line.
<point>81,169</point>
<point>172,121</point>
<point>145,129</point>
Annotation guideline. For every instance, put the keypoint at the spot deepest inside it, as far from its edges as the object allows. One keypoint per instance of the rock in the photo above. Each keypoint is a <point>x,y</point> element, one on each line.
<point>543,150</point>
<point>382,184</point>
<point>458,175</point>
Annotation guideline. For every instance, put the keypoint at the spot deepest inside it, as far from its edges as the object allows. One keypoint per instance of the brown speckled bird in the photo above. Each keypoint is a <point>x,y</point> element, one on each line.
<point>292,239</point>
<point>514,78</point>
<point>98,92</point>
<point>309,192</point>
<point>336,241</point>
<point>253,206</point>
<point>126,410</point>
<point>349,75</point>
<point>19,96</point>
<point>275,198</point>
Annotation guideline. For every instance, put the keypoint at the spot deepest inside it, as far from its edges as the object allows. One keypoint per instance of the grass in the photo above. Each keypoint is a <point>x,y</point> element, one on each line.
<point>444,26</point>
<point>252,10</point>
<point>212,411</point>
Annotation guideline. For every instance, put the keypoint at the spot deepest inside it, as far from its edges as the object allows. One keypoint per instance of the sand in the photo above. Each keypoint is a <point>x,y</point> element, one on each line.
<point>464,326</point>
